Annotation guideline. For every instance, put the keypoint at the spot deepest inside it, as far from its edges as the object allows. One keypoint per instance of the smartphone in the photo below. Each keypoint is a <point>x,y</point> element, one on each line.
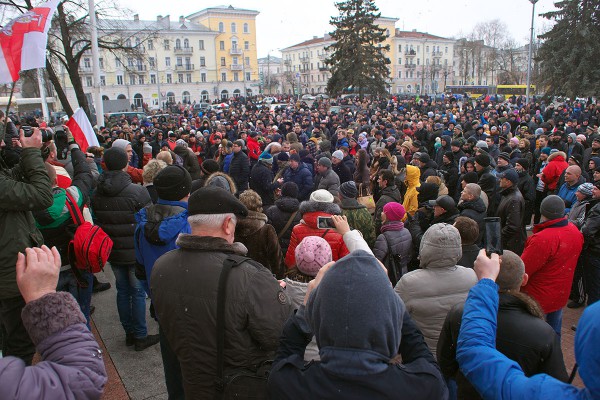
<point>325,223</point>
<point>27,130</point>
<point>493,236</point>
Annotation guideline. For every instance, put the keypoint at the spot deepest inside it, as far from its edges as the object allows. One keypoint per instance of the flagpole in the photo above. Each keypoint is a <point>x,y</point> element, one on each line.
<point>40,75</point>
<point>12,90</point>
<point>98,105</point>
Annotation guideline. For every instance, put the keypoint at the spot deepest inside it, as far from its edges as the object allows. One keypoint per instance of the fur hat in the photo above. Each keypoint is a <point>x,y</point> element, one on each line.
<point>311,254</point>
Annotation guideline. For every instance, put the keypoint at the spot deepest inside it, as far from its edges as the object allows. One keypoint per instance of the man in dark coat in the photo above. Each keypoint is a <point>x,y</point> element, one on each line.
<point>487,181</point>
<point>472,206</point>
<point>450,172</point>
<point>510,211</point>
<point>427,165</point>
<point>340,167</point>
<point>261,179</point>
<point>300,175</point>
<point>239,169</point>
<point>285,213</point>
<point>527,188</point>
<point>389,192</point>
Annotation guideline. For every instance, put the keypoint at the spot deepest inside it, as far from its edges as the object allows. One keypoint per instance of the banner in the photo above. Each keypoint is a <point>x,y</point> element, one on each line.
<point>23,41</point>
<point>82,130</point>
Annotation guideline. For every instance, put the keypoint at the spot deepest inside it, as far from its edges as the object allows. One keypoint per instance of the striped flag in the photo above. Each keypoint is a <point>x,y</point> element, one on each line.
<point>82,130</point>
<point>23,41</point>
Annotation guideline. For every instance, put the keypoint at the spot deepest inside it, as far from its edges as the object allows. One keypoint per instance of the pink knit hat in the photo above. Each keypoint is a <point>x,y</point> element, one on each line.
<point>311,254</point>
<point>394,211</point>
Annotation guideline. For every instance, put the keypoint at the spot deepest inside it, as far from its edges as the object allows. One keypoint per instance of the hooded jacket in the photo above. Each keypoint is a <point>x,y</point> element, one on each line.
<point>279,214</point>
<point>360,325</point>
<point>239,170</point>
<point>221,180</point>
<point>552,171</point>
<point>411,202</point>
<point>261,241</point>
<point>261,181</point>
<point>190,161</point>
<point>482,364</point>
<point>310,211</point>
<point>430,292</point>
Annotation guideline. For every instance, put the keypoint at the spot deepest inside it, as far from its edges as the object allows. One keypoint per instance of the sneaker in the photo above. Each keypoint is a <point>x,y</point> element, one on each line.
<point>129,340</point>
<point>529,227</point>
<point>101,287</point>
<point>143,344</point>
<point>575,304</point>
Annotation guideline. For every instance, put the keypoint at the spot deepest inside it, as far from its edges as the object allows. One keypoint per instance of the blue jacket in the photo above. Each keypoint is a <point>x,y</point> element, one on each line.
<point>567,193</point>
<point>158,226</point>
<point>497,377</point>
<point>301,177</point>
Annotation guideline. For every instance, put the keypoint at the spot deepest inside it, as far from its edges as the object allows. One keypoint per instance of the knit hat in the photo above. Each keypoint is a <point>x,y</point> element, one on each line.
<point>266,157</point>
<point>511,175</point>
<point>209,166</point>
<point>505,156</point>
<point>483,160</point>
<point>546,151</point>
<point>324,161</point>
<point>321,196</point>
<point>471,177</point>
<point>283,156</point>
<point>424,158</point>
<point>523,162</point>
<point>289,189</point>
<point>173,183</point>
<point>482,144</point>
<point>311,254</point>
<point>577,158</point>
<point>440,246</point>
<point>586,189</point>
<point>121,144</point>
<point>394,211</point>
<point>514,140</point>
<point>115,158</point>
<point>450,156</point>
<point>348,190</point>
<point>455,143</point>
<point>338,154</point>
<point>427,191</point>
<point>552,207</point>
<point>295,157</point>
<point>181,142</point>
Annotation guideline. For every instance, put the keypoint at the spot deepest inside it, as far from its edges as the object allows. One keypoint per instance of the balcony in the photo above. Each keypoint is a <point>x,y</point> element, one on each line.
<point>436,54</point>
<point>410,66</point>
<point>235,52</point>
<point>86,70</point>
<point>183,50</point>
<point>184,67</point>
<point>410,53</point>
<point>323,56</point>
<point>236,67</point>
<point>324,68</point>
<point>138,67</point>
<point>287,62</point>
<point>304,59</point>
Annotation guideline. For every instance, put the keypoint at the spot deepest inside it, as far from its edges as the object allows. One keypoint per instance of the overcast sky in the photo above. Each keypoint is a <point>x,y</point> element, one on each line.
<point>282,23</point>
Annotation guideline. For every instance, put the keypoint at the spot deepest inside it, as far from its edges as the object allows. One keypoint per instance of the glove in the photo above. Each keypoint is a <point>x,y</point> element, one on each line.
<point>147,148</point>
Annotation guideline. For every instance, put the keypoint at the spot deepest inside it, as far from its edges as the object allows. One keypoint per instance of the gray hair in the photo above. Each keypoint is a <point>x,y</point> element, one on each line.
<point>473,189</point>
<point>211,221</point>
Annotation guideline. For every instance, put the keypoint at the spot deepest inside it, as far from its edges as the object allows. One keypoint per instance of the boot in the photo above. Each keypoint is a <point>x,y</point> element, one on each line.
<point>143,344</point>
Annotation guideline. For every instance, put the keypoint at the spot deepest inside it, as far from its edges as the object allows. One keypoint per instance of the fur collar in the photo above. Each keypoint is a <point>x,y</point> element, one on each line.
<point>522,300</point>
<point>251,224</point>
<point>210,243</point>
<point>558,153</point>
<point>312,206</point>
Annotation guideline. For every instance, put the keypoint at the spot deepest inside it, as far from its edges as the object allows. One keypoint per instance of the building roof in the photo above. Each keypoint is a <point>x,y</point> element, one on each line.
<point>414,34</point>
<point>136,25</point>
<point>223,9</point>
<point>315,40</point>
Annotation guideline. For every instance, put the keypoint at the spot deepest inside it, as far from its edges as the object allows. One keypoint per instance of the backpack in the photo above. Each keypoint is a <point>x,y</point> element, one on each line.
<point>91,246</point>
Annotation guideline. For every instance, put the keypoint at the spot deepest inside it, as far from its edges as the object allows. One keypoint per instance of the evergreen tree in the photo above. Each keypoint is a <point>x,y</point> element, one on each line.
<point>570,51</point>
<point>357,56</point>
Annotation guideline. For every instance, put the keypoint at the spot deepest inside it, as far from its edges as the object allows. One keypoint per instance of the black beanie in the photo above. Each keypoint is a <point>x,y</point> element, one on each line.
<point>115,159</point>
<point>349,190</point>
<point>427,191</point>
<point>483,159</point>
<point>209,166</point>
<point>471,177</point>
<point>523,162</point>
<point>450,156</point>
<point>289,189</point>
<point>173,183</point>
<point>552,207</point>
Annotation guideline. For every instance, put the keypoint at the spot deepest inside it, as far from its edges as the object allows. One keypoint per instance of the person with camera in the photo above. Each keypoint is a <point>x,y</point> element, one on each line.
<point>23,189</point>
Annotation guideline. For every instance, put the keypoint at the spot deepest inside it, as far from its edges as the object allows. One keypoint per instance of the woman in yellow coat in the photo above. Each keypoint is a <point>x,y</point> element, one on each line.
<point>411,204</point>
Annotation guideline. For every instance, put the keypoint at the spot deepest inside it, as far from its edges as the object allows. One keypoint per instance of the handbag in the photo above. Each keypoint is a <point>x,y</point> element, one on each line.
<point>366,200</point>
<point>240,383</point>
<point>393,263</point>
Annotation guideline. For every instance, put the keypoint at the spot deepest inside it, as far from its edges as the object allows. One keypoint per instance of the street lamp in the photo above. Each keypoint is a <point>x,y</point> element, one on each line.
<point>530,50</point>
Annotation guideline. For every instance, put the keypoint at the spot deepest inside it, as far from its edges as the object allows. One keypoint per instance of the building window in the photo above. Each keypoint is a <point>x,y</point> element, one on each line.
<point>246,28</point>
<point>201,45</point>
<point>224,76</point>
<point>180,78</point>
<point>132,79</point>
<point>418,61</point>
<point>141,79</point>
<point>153,79</point>
<point>248,76</point>
<point>119,79</point>
<point>130,62</point>
<point>186,44</point>
<point>247,60</point>
<point>203,61</point>
<point>203,77</point>
<point>102,81</point>
<point>224,95</point>
<point>178,44</point>
<point>222,45</point>
<point>399,48</point>
<point>446,49</point>
<point>223,61</point>
<point>87,63</point>
<point>166,44</point>
<point>179,61</point>
<point>169,78</point>
<point>188,78</point>
<point>118,62</point>
<point>89,81</point>
<point>426,49</point>
<point>204,95</point>
<point>246,45</point>
<point>152,62</point>
<point>233,28</point>
<point>101,62</point>
<point>167,61</point>
<point>150,44</point>
<point>236,76</point>
<point>221,27</point>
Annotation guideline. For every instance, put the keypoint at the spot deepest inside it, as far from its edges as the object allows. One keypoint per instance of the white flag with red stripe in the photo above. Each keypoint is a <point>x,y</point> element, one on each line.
<point>23,41</point>
<point>82,130</point>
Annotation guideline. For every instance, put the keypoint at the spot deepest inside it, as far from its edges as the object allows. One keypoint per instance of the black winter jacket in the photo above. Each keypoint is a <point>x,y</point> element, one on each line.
<point>388,194</point>
<point>510,211</point>
<point>279,214</point>
<point>487,183</point>
<point>261,181</point>
<point>476,211</point>
<point>190,161</point>
<point>114,204</point>
<point>400,242</point>
<point>591,228</point>
<point>239,170</point>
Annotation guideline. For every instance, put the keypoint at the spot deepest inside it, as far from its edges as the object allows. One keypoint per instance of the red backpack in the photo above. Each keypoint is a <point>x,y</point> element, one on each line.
<point>91,246</point>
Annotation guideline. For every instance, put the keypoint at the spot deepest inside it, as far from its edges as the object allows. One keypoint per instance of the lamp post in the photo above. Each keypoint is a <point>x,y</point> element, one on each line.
<point>530,51</point>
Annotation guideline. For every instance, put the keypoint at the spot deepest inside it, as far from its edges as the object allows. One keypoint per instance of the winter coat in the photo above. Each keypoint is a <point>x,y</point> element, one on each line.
<point>329,181</point>
<point>310,211</point>
<point>469,255</point>
<point>253,149</point>
<point>450,177</point>
<point>279,214</point>
<point>550,258</point>
<point>239,170</point>
<point>388,195</point>
<point>301,177</point>
<point>190,161</point>
<point>411,202</point>
<point>184,292</point>
<point>510,210</point>
<point>567,193</point>
<point>362,178</point>
<point>349,162</point>
<point>482,364</point>
<point>24,188</point>
<point>157,229</point>
<point>359,218</point>
<point>577,214</point>
<point>552,171</point>
<point>429,169</point>
<point>527,188</point>
<point>71,366</point>
<point>115,203</point>
<point>342,171</point>
<point>261,181</point>
<point>522,335</point>
<point>487,183</point>
<point>398,241</point>
<point>261,241</point>
<point>476,211</point>
<point>430,292</point>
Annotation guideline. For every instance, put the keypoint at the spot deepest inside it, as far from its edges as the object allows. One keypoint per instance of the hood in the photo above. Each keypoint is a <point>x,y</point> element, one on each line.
<point>163,223</point>
<point>287,204</point>
<point>251,224</point>
<point>313,206</point>
<point>111,183</point>
<point>596,161</point>
<point>440,247</point>
<point>587,352</point>
<point>476,205</point>
<point>573,138</point>
<point>356,316</point>
<point>221,180</point>
<point>412,176</point>
<point>558,156</point>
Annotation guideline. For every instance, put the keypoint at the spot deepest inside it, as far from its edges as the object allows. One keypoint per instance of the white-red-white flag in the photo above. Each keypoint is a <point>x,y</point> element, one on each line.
<point>82,130</point>
<point>23,41</point>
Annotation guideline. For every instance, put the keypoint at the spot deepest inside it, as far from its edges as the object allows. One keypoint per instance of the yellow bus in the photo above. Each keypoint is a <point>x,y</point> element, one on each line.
<point>515,90</point>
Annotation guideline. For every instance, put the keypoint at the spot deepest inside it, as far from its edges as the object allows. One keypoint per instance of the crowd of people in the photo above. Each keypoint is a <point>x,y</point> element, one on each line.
<point>354,241</point>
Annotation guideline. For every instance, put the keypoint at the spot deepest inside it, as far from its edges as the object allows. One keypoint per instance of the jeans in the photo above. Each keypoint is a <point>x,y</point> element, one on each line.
<point>173,377</point>
<point>131,301</point>
<point>15,339</point>
<point>591,277</point>
<point>554,319</point>
<point>68,283</point>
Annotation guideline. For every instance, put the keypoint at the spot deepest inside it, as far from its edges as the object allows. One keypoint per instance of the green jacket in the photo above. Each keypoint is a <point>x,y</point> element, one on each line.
<point>24,188</point>
<point>359,218</point>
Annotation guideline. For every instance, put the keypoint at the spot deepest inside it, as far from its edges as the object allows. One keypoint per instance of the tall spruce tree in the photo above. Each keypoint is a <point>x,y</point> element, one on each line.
<point>570,51</point>
<point>357,56</point>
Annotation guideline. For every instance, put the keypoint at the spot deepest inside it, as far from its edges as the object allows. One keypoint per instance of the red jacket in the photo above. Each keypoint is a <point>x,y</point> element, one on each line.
<point>308,227</point>
<point>554,169</point>
<point>550,257</point>
<point>253,148</point>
